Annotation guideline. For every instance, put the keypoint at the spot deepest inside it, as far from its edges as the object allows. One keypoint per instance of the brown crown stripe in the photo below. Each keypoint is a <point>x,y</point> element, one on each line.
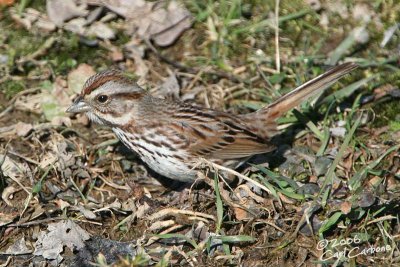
<point>100,80</point>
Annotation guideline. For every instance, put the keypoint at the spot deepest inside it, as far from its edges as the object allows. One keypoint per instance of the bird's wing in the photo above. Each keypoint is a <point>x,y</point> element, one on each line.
<point>216,135</point>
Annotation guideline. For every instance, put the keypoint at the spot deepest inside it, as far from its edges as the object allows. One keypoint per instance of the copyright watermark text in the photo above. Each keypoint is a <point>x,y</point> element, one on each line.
<point>347,248</point>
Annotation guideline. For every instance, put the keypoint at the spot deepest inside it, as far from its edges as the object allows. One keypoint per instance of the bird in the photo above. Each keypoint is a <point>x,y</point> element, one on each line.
<point>171,136</point>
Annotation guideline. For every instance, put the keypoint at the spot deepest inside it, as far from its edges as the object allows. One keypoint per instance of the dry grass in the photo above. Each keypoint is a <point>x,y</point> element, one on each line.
<point>332,186</point>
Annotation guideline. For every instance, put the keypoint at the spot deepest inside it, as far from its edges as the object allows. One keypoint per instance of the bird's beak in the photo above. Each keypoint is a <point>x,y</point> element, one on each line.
<point>79,106</point>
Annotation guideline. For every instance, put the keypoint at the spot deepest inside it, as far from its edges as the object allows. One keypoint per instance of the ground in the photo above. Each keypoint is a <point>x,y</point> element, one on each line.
<point>73,195</point>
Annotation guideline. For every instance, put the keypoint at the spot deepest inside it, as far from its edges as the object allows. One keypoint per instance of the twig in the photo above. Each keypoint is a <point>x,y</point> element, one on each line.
<point>225,169</point>
<point>40,52</point>
<point>170,211</point>
<point>167,231</point>
<point>23,157</point>
<point>184,68</point>
<point>383,218</point>
<point>78,189</point>
<point>12,101</point>
<point>273,225</point>
<point>277,56</point>
<point>120,187</point>
<point>36,222</point>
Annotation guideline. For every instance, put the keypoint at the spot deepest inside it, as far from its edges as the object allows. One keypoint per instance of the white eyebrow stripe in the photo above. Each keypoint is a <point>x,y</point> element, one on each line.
<point>114,87</point>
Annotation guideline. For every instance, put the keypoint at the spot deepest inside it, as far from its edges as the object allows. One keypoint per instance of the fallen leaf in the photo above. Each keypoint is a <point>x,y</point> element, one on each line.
<point>116,55</point>
<point>169,88</point>
<point>62,204</point>
<point>321,165</point>
<point>23,129</point>
<point>8,194</point>
<point>124,8</point>
<point>134,48</point>
<point>51,243</point>
<point>31,103</point>
<point>11,168</point>
<point>191,95</point>
<point>48,159</point>
<point>87,213</point>
<point>55,102</point>
<point>286,199</point>
<point>60,11</point>
<point>77,78</point>
<point>45,24</point>
<point>162,21</point>
<point>241,214</point>
<point>366,199</point>
<point>77,26</point>
<point>345,207</point>
<point>101,30</point>
<point>26,18</point>
<point>31,17</point>
<point>7,218</point>
<point>18,248</point>
<point>176,20</point>
<point>59,121</point>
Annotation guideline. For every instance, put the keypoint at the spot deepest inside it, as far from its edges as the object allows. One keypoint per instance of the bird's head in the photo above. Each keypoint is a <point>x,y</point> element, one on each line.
<point>109,98</point>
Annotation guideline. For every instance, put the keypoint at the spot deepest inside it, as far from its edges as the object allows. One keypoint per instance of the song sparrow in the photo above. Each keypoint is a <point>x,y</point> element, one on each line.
<point>171,137</point>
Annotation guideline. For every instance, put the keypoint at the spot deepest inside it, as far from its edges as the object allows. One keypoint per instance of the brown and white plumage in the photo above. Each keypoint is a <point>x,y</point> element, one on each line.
<point>171,136</point>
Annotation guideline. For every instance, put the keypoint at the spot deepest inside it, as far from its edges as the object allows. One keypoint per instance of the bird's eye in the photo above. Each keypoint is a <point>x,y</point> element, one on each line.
<point>102,98</point>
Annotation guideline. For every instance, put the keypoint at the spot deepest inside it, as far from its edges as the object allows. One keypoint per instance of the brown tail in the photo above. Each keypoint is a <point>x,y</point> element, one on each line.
<point>306,90</point>
<point>262,122</point>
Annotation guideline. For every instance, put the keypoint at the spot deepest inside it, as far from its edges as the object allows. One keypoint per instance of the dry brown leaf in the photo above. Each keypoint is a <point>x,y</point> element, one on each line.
<point>241,214</point>
<point>18,248</point>
<point>29,103</point>
<point>101,30</point>
<point>62,204</point>
<point>48,159</point>
<point>51,243</point>
<point>286,199</point>
<point>23,129</point>
<point>31,17</point>
<point>77,77</point>
<point>11,168</point>
<point>8,194</point>
<point>176,20</point>
<point>86,212</point>
<point>116,55</point>
<point>77,26</point>
<point>124,8</point>
<point>7,218</point>
<point>162,21</point>
<point>60,11</point>
<point>169,88</point>
<point>59,120</point>
<point>345,207</point>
